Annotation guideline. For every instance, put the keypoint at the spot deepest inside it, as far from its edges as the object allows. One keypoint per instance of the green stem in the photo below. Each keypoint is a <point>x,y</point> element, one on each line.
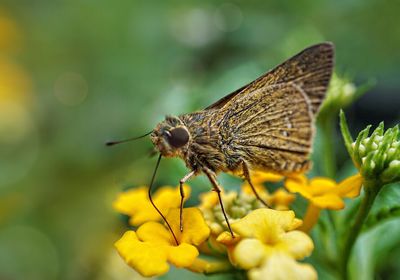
<point>371,188</point>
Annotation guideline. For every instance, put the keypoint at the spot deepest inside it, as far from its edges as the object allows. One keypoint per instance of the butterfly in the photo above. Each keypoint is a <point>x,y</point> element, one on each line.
<point>265,125</point>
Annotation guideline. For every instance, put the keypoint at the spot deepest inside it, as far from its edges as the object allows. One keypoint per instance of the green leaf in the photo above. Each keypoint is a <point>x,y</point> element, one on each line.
<point>348,140</point>
<point>370,249</point>
<point>386,205</point>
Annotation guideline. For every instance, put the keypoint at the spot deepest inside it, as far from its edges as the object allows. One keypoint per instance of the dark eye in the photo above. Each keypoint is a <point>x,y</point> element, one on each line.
<point>178,137</point>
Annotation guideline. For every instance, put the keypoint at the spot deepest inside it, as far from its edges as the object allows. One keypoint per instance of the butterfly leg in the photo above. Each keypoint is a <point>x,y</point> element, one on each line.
<point>246,174</point>
<point>181,182</point>
<point>213,179</point>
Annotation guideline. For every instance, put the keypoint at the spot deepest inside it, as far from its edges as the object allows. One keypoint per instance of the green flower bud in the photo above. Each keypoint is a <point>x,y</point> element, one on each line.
<point>377,156</point>
<point>237,205</point>
<point>392,173</point>
<point>341,93</point>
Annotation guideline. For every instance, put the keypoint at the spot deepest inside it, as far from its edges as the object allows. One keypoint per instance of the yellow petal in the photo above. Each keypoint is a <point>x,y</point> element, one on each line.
<point>299,185</point>
<point>297,244</point>
<point>208,200</point>
<point>295,224</point>
<point>146,258</point>
<point>321,185</point>
<point>130,201</point>
<point>195,229</point>
<point>259,187</point>
<point>324,192</point>
<point>282,267</point>
<point>262,222</point>
<point>328,201</point>
<point>281,198</point>
<point>226,238</point>
<point>262,177</point>
<point>145,214</point>
<point>249,253</point>
<point>183,255</point>
<point>136,203</point>
<point>351,186</point>
<point>155,233</point>
<point>168,197</point>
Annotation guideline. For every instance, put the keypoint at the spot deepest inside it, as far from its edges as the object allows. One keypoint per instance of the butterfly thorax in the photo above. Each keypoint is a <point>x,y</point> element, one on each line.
<point>207,144</point>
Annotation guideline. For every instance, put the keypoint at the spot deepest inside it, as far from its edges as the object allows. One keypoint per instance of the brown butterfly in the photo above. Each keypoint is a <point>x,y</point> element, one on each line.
<point>266,125</point>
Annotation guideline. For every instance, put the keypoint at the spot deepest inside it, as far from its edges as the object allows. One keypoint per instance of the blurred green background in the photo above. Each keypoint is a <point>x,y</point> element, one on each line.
<point>74,74</point>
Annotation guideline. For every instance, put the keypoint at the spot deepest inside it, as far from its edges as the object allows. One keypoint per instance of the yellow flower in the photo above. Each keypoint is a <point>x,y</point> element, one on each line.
<point>152,247</point>
<point>136,204</point>
<point>258,178</point>
<point>281,266</point>
<point>209,199</point>
<point>281,199</point>
<point>259,187</point>
<point>262,177</point>
<point>323,193</point>
<point>262,233</point>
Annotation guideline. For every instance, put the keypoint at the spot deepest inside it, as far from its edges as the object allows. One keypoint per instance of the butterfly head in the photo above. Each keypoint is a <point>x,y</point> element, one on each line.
<point>171,137</point>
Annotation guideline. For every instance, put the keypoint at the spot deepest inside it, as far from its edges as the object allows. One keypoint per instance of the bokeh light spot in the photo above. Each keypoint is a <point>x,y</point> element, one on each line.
<point>228,17</point>
<point>9,34</point>
<point>71,88</point>
<point>194,27</point>
<point>15,122</point>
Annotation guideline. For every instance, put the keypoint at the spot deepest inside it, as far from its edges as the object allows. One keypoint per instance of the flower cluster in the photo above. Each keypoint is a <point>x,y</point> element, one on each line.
<point>267,243</point>
<point>264,234</point>
<point>376,155</point>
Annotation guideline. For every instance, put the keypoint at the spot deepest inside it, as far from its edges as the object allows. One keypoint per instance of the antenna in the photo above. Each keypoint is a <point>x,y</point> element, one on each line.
<point>112,143</point>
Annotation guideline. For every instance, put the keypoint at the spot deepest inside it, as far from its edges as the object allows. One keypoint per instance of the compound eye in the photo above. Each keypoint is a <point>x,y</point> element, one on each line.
<point>178,137</point>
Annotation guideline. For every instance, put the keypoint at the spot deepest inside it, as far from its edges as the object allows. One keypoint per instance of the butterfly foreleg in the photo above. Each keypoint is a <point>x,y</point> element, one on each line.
<point>182,192</point>
<point>246,174</point>
<point>213,179</point>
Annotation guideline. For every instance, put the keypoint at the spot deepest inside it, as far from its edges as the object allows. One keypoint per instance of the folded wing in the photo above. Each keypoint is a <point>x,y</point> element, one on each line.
<point>310,70</point>
<point>270,128</point>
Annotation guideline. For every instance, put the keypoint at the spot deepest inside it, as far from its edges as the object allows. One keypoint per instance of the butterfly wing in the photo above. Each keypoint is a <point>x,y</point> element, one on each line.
<point>310,70</point>
<point>270,129</point>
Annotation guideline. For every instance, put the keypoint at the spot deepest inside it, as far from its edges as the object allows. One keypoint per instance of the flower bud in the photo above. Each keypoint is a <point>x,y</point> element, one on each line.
<point>341,93</point>
<point>392,173</point>
<point>377,156</point>
<point>237,205</point>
